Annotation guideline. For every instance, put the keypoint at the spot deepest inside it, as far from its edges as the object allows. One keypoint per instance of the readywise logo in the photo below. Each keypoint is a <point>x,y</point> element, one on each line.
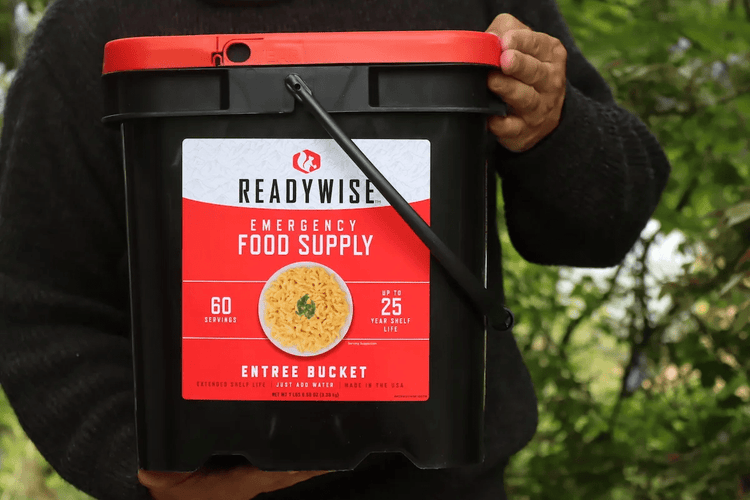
<point>314,191</point>
<point>306,161</point>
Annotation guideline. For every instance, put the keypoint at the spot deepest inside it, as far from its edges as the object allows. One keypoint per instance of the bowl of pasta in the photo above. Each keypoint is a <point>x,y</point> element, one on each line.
<point>305,309</point>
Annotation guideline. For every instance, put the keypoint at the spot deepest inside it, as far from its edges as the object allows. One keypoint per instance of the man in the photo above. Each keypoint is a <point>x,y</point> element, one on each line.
<point>581,177</point>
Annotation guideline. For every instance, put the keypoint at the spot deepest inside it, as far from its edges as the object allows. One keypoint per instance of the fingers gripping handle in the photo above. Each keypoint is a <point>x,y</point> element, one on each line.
<point>499,317</point>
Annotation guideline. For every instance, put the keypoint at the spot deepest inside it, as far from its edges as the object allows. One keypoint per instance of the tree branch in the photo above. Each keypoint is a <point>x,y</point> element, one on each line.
<point>573,325</point>
<point>636,345</point>
<point>695,108</point>
<point>685,198</point>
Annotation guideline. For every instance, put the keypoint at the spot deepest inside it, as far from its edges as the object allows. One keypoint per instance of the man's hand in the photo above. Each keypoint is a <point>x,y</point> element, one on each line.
<point>239,483</point>
<point>532,83</point>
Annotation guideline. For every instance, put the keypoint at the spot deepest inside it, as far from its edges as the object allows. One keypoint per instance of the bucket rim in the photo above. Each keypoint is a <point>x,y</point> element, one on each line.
<point>302,49</point>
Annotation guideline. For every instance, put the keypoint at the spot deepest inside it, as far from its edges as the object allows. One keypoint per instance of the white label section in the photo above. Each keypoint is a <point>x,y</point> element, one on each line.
<point>301,174</point>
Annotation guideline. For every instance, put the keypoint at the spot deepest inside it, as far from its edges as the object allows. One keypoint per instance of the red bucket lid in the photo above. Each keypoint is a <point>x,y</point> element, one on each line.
<point>296,49</point>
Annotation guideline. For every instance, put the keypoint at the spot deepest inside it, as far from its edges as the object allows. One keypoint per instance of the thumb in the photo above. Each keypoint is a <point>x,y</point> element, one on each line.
<point>505,23</point>
<point>154,480</point>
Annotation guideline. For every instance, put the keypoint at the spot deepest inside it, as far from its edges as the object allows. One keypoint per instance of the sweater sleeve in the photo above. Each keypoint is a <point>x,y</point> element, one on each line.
<point>65,361</point>
<point>582,195</point>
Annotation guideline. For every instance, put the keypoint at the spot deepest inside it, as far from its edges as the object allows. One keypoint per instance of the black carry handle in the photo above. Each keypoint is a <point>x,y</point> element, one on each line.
<point>499,317</point>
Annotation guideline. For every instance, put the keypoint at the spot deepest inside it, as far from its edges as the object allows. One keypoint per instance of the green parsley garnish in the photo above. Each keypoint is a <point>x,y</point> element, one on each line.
<point>304,308</point>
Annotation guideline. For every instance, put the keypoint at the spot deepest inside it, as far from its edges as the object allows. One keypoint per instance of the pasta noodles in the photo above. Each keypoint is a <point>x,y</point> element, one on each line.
<point>305,308</point>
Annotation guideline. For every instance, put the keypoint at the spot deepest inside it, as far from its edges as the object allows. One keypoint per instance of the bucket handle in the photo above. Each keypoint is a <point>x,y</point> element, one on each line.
<point>499,317</point>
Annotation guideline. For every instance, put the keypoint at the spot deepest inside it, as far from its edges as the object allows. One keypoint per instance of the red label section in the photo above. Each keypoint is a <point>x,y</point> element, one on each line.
<point>229,256</point>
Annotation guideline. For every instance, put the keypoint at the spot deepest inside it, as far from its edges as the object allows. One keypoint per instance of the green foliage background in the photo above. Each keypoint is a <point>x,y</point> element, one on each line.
<point>682,429</point>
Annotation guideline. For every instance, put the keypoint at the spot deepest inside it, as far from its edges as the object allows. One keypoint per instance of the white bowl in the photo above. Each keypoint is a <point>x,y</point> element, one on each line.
<point>293,350</point>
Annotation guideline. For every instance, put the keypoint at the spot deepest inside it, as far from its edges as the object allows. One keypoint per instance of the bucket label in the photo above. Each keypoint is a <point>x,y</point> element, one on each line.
<point>299,281</point>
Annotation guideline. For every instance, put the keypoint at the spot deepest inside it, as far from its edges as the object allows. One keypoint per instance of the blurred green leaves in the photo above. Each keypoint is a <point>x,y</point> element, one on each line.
<point>24,474</point>
<point>683,66</point>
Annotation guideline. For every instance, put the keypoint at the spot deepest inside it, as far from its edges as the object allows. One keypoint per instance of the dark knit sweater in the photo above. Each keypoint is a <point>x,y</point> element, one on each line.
<point>579,198</point>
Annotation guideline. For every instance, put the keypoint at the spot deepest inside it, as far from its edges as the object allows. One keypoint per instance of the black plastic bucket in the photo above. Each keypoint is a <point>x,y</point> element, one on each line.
<point>238,198</point>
